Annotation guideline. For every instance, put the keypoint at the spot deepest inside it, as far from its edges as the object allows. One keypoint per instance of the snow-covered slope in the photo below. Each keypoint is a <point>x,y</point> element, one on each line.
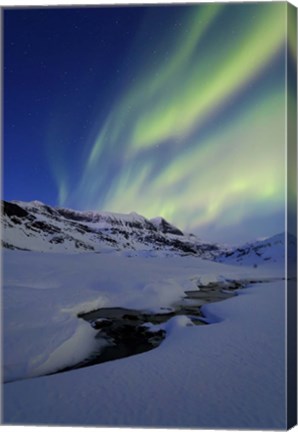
<point>39,227</point>
<point>271,250</point>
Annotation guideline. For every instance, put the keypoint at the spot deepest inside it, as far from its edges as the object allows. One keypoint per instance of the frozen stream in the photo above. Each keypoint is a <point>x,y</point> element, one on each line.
<point>129,332</point>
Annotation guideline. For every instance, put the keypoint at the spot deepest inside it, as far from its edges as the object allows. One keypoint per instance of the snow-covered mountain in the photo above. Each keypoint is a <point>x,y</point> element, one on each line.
<point>39,227</point>
<point>271,250</point>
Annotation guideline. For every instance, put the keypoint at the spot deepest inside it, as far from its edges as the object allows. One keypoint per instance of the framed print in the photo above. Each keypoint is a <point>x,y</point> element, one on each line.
<point>149,215</point>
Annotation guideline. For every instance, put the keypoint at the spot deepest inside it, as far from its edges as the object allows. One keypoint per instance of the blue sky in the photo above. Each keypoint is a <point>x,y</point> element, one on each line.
<point>173,111</point>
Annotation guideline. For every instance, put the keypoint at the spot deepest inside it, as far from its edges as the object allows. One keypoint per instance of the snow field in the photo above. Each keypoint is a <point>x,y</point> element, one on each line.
<point>226,375</point>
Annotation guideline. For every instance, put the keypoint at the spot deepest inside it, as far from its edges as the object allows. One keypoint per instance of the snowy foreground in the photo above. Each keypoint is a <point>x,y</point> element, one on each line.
<point>229,374</point>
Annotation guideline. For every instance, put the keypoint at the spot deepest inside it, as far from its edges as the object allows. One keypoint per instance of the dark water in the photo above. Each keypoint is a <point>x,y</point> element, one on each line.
<point>125,330</point>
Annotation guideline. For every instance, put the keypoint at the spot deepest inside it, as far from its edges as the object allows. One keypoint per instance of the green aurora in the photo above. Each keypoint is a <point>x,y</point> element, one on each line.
<point>198,135</point>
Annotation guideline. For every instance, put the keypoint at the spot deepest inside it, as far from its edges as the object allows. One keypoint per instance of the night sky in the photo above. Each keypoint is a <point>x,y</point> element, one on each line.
<point>173,111</point>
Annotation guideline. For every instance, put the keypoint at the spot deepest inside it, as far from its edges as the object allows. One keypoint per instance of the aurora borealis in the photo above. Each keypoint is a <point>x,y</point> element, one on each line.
<point>176,111</point>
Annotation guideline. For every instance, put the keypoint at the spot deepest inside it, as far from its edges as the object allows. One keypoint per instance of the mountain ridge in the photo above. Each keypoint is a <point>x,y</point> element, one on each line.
<point>40,227</point>
<point>36,226</point>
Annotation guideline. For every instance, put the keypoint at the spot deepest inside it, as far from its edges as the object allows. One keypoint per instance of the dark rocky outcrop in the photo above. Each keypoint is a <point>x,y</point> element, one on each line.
<point>11,209</point>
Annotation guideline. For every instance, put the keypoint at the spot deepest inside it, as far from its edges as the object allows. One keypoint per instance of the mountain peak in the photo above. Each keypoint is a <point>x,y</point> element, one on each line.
<point>164,226</point>
<point>266,250</point>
